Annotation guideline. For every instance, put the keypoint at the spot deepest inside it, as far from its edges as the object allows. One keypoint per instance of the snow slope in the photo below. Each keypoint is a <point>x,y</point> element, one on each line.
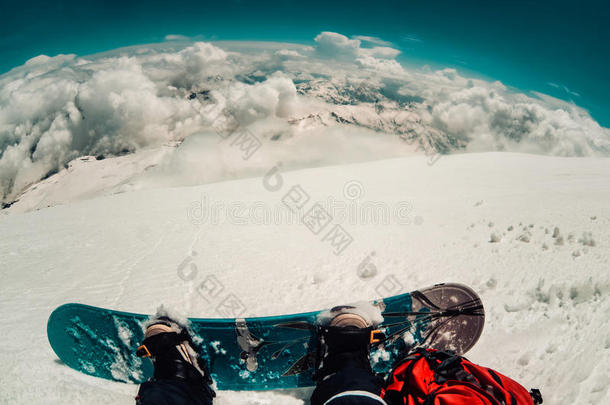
<point>529,233</point>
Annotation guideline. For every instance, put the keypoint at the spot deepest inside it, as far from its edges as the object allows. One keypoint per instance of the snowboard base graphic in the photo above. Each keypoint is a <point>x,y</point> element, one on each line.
<point>268,352</point>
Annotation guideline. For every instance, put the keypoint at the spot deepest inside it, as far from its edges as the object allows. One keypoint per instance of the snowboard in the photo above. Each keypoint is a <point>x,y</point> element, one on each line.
<point>265,353</point>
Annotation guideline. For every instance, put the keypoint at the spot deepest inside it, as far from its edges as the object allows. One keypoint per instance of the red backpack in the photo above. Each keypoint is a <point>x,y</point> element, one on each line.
<point>430,377</point>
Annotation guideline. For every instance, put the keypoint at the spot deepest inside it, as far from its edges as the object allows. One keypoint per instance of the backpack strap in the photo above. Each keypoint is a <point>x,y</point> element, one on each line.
<point>451,368</point>
<point>536,395</point>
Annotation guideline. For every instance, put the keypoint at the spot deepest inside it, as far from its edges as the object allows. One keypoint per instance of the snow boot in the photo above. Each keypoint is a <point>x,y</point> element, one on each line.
<point>343,370</point>
<point>345,343</point>
<point>172,351</point>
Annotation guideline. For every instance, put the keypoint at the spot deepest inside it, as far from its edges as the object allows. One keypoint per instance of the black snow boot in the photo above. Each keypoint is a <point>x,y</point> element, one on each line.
<point>344,343</point>
<point>343,369</point>
<point>176,364</point>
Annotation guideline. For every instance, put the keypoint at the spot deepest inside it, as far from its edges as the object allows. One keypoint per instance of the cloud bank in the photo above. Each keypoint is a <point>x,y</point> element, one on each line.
<point>336,46</point>
<point>54,109</point>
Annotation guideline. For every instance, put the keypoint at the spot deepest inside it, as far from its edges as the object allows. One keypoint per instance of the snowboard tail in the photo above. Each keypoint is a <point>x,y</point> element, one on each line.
<point>266,352</point>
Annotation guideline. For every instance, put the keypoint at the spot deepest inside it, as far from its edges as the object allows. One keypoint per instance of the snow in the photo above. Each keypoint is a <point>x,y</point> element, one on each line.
<point>545,291</point>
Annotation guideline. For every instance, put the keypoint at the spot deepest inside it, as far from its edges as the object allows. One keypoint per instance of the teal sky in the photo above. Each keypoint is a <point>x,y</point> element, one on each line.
<point>559,48</point>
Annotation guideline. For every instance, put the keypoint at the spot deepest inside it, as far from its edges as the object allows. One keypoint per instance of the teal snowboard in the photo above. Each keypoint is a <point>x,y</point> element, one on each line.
<point>269,352</point>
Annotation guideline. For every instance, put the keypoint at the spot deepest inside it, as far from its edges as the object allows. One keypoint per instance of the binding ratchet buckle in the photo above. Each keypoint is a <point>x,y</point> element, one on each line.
<point>143,351</point>
<point>376,336</point>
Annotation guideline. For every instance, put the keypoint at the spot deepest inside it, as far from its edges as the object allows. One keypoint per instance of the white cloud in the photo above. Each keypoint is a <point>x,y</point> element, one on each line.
<point>38,60</point>
<point>372,40</point>
<point>176,37</point>
<point>486,116</point>
<point>102,107</point>
<point>382,52</point>
<point>337,46</point>
<point>54,109</point>
<point>289,53</point>
<point>412,38</point>
<point>564,88</point>
<point>388,66</point>
<point>275,97</point>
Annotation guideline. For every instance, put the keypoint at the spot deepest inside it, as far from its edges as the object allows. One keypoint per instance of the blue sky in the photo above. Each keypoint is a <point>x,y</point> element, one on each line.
<point>559,48</point>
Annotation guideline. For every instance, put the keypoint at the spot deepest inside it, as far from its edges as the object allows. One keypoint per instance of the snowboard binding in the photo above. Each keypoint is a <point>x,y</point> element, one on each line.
<point>345,342</point>
<point>172,351</point>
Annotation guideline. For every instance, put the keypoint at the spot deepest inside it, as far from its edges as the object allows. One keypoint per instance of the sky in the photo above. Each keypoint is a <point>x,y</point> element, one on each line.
<point>558,48</point>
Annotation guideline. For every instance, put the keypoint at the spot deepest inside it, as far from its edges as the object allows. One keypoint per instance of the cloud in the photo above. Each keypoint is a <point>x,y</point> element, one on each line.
<point>483,116</point>
<point>372,40</point>
<point>382,52</point>
<point>334,45</point>
<point>288,53</point>
<point>275,97</point>
<point>176,37</point>
<point>564,88</point>
<point>388,66</point>
<point>54,109</point>
<point>412,39</point>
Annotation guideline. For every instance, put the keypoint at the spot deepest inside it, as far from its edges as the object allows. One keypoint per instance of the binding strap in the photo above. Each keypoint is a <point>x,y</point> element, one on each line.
<point>160,343</point>
<point>351,338</point>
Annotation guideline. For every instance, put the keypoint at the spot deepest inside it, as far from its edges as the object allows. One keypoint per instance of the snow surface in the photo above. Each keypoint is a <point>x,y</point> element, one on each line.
<point>529,233</point>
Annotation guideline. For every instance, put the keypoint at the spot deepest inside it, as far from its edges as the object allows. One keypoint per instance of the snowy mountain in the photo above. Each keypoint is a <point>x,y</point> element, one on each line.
<point>55,111</point>
<point>529,233</point>
<point>117,168</point>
